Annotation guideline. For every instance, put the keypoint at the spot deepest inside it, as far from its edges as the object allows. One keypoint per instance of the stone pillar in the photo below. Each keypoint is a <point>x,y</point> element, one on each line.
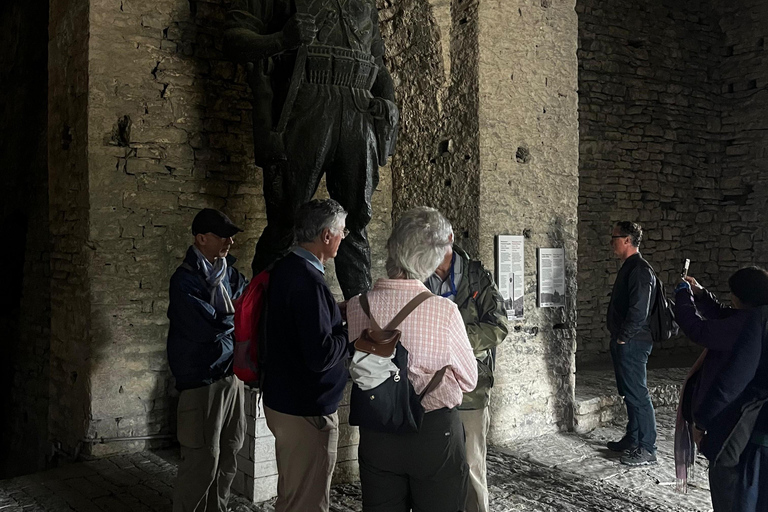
<point>528,185</point>
<point>504,160</point>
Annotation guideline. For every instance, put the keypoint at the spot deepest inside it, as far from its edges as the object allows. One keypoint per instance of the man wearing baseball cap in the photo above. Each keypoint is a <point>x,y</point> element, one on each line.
<point>211,415</point>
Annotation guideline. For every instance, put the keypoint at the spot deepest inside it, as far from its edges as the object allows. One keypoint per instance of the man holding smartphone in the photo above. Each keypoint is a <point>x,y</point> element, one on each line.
<point>631,343</point>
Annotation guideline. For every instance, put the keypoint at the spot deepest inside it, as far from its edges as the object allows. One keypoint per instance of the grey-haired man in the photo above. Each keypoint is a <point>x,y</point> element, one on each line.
<point>304,371</point>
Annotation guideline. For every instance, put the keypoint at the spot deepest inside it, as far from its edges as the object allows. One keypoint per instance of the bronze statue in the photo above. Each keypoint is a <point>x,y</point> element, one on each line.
<point>323,103</point>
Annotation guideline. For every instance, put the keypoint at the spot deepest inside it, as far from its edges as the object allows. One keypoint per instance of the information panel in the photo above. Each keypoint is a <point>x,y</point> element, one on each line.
<point>510,273</point>
<point>551,278</point>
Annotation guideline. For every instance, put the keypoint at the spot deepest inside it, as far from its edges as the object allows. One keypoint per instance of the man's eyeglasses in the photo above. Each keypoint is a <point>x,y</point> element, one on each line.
<point>619,236</point>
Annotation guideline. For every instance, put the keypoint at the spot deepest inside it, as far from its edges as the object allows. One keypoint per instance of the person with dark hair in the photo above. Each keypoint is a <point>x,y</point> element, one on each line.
<point>631,343</point>
<point>211,412</point>
<point>304,372</point>
<point>734,358</point>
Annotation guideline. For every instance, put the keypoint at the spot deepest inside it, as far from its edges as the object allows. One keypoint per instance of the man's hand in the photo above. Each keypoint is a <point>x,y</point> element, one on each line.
<point>696,288</point>
<point>300,29</point>
<point>621,342</point>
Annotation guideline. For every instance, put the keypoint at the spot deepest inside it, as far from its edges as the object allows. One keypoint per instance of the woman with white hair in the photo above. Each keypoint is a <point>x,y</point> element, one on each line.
<point>426,470</point>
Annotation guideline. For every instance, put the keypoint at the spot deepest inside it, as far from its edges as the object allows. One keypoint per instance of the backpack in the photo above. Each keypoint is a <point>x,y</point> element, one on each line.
<point>662,316</point>
<point>391,405</point>
<point>250,328</point>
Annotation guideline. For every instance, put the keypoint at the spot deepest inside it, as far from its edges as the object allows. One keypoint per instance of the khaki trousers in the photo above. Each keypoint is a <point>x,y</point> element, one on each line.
<point>305,447</point>
<point>211,430</point>
<point>476,425</point>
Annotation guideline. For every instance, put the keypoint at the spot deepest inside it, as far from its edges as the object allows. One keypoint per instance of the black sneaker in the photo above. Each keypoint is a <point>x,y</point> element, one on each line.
<point>638,457</point>
<point>623,445</point>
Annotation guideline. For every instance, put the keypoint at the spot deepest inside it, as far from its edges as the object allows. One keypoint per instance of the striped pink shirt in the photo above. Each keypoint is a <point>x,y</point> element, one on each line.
<point>434,335</point>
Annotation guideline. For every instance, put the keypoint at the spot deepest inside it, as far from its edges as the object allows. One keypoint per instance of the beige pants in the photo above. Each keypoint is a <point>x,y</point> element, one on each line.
<point>476,425</point>
<point>211,430</point>
<point>305,447</point>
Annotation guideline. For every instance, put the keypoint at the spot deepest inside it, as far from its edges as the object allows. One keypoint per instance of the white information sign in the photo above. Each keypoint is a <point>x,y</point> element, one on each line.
<point>510,273</point>
<point>551,278</point>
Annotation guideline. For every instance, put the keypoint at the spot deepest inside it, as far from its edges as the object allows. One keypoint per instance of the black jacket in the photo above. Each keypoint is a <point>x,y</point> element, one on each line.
<point>744,374</point>
<point>631,299</point>
<point>306,345</point>
<point>200,339</point>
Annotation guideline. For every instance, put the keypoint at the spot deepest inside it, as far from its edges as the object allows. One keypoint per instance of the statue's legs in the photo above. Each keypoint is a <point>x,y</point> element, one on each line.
<point>290,183</point>
<point>351,178</point>
<point>326,134</point>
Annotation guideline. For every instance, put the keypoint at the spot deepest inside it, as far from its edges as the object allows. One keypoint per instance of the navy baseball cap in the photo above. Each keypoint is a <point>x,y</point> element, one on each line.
<point>213,221</point>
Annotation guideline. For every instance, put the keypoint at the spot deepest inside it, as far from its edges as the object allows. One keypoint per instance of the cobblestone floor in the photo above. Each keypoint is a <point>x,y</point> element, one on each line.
<point>560,472</point>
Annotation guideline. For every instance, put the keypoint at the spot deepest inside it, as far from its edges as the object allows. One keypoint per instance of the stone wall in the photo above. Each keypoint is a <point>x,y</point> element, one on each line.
<point>25,304</point>
<point>744,132</point>
<point>650,150</point>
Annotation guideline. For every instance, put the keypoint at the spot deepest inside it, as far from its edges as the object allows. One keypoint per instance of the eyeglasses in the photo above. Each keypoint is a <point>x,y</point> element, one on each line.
<point>619,236</point>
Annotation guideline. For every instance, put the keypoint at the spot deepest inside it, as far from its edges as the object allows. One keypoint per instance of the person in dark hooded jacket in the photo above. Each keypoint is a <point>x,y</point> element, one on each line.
<point>211,413</point>
<point>733,372</point>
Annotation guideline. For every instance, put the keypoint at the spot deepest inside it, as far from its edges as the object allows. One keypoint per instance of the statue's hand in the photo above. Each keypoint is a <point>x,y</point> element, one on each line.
<point>377,108</point>
<point>300,29</point>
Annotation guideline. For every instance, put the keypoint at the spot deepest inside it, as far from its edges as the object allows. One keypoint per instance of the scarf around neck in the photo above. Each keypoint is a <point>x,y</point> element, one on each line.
<point>214,277</point>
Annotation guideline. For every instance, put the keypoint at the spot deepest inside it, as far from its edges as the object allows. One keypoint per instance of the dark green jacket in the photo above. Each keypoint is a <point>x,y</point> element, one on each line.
<point>482,309</point>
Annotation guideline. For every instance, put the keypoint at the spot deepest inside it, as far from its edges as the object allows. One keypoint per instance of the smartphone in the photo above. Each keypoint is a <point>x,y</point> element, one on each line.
<point>684,273</point>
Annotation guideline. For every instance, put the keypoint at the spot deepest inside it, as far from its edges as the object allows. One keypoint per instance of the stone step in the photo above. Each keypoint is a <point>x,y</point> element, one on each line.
<point>598,403</point>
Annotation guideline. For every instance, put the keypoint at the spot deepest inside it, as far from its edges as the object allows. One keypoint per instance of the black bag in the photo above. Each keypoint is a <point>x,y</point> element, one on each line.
<point>662,316</point>
<point>738,438</point>
<point>392,406</point>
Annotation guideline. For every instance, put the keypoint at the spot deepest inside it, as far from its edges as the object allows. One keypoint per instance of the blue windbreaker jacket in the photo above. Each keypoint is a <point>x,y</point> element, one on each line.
<point>200,340</point>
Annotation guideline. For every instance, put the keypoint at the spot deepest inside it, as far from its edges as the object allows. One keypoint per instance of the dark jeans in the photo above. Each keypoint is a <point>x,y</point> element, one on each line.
<point>422,472</point>
<point>629,361</point>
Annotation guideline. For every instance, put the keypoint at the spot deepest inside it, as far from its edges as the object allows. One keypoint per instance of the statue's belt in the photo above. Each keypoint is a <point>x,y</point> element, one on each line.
<point>328,65</point>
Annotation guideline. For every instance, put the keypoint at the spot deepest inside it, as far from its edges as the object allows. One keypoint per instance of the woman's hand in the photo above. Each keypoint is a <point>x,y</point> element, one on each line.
<point>696,288</point>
